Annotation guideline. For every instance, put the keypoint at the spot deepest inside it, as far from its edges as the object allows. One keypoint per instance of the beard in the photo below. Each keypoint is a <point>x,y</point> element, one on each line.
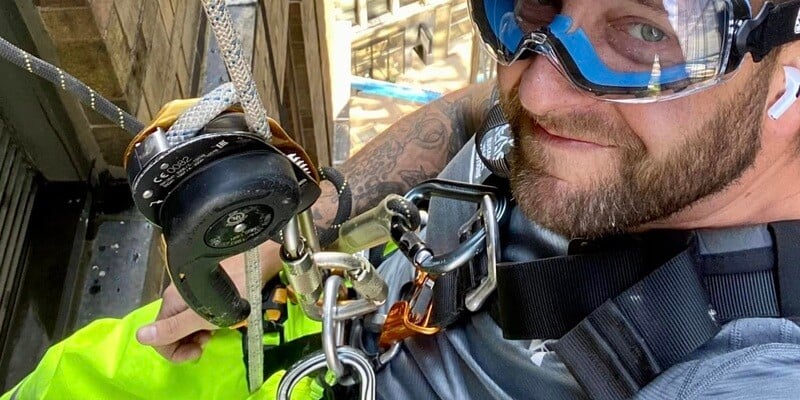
<point>641,188</point>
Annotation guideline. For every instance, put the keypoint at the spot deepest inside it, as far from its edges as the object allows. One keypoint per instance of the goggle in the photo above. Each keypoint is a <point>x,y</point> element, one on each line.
<point>636,50</point>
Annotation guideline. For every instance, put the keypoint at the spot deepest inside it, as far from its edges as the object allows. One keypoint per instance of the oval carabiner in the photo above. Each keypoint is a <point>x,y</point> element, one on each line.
<point>348,355</point>
<point>482,195</point>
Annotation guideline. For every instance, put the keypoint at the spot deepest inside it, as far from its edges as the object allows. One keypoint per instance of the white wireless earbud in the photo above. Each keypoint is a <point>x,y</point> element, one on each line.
<point>789,96</point>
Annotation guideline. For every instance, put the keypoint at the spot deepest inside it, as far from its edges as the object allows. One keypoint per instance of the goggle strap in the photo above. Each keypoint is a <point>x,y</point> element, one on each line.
<point>773,27</point>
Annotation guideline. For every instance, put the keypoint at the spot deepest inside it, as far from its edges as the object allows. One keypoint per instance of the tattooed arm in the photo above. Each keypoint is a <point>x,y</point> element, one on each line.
<point>415,148</point>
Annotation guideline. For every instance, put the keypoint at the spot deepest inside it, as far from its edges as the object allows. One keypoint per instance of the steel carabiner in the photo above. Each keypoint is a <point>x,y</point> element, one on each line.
<point>348,355</point>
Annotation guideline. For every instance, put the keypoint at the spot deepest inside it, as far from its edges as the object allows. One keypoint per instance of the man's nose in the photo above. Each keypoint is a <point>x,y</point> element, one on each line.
<point>543,90</point>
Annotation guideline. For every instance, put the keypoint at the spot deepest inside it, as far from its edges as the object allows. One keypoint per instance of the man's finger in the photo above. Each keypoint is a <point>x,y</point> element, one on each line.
<point>186,352</point>
<point>172,329</point>
<point>201,337</point>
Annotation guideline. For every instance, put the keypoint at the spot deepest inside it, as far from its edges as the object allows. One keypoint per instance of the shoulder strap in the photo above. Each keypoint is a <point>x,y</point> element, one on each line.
<point>786,236</point>
<point>627,341</point>
<point>559,292</point>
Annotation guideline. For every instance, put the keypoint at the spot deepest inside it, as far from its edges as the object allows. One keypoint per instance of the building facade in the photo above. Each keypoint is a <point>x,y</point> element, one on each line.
<point>388,34</point>
<point>74,249</point>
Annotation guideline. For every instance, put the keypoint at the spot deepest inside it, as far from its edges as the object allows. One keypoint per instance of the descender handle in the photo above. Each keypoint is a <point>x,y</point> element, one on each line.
<point>207,289</point>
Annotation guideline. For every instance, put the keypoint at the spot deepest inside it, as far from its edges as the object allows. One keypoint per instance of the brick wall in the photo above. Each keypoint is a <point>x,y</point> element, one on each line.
<point>143,53</point>
<point>138,53</point>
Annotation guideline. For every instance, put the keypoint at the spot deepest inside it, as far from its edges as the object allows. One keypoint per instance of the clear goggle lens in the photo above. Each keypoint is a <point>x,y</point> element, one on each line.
<point>624,50</point>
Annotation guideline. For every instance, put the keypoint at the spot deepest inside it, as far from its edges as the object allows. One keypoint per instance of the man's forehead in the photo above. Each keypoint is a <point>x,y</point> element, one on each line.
<point>658,5</point>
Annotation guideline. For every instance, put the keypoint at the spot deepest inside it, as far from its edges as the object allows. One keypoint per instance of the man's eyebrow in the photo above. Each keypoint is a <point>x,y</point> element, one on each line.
<point>655,5</point>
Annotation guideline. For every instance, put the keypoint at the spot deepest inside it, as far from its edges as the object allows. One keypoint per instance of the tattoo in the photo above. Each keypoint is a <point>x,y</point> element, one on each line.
<point>367,169</point>
<point>381,162</point>
<point>417,147</point>
<point>377,191</point>
<point>428,134</point>
<point>413,177</point>
<point>328,201</point>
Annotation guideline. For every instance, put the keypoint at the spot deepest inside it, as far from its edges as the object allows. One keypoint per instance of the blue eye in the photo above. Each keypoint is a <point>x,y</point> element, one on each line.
<point>648,33</point>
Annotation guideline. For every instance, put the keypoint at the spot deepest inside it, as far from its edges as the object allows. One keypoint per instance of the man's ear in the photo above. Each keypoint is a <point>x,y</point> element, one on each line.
<point>791,92</point>
<point>783,103</point>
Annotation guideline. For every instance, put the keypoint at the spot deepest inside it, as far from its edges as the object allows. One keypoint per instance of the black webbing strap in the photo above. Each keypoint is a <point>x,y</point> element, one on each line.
<point>451,289</point>
<point>330,234</point>
<point>559,292</point>
<point>786,238</point>
<point>777,28</point>
<point>628,340</point>
<point>741,284</point>
<point>743,295</point>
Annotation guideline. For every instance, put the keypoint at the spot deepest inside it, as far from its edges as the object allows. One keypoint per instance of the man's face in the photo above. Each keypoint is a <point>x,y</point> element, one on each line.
<point>584,168</point>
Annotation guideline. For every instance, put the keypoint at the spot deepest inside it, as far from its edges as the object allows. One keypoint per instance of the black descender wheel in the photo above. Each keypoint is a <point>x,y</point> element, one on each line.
<point>215,195</point>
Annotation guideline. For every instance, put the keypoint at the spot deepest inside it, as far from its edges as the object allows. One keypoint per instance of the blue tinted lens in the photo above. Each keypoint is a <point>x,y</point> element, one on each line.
<point>591,68</point>
<point>615,47</point>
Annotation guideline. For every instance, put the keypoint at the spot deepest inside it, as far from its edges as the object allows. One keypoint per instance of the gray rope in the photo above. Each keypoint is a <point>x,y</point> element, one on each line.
<point>231,50</point>
<point>69,83</point>
<point>192,120</point>
<point>256,116</point>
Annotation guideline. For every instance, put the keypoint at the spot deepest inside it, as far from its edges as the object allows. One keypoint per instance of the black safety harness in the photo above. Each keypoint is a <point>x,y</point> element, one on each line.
<point>627,308</point>
<point>624,309</point>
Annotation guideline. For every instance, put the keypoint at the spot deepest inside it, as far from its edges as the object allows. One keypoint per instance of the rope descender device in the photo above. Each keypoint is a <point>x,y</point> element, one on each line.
<point>215,194</point>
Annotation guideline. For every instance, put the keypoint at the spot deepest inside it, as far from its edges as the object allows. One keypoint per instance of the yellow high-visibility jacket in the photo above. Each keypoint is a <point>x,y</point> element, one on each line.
<point>104,361</point>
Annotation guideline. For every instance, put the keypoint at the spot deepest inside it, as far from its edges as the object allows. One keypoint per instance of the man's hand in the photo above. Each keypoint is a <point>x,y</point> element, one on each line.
<point>179,333</point>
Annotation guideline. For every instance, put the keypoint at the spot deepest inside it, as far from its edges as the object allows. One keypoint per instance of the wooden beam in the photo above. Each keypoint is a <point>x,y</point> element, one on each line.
<point>310,103</point>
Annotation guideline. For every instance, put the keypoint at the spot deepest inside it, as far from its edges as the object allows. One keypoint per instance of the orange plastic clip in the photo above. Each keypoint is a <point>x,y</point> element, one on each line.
<point>402,322</point>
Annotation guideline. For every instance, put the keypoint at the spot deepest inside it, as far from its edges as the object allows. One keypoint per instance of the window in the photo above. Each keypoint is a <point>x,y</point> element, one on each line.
<point>407,2</point>
<point>347,10</point>
<point>362,62</point>
<point>382,59</point>
<point>460,25</point>
<point>396,56</point>
<point>376,8</point>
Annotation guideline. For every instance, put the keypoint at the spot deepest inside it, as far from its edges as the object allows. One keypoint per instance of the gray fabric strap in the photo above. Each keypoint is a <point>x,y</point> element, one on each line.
<point>620,347</point>
<point>446,217</point>
<point>787,245</point>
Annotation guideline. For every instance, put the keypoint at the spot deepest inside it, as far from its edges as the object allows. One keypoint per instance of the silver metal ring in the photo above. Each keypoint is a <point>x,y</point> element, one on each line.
<point>330,325</point>
<point>351,357</point>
